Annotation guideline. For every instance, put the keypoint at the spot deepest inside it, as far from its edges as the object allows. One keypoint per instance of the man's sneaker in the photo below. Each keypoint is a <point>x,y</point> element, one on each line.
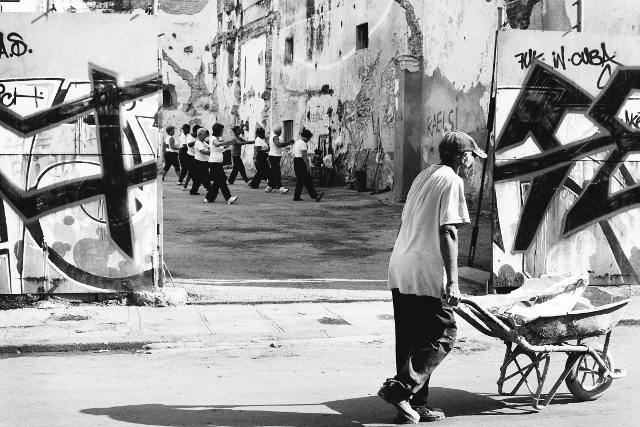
<point>207,200</point>
<point>268,189</point>
<point>319,197</point>
<point>232,199</point>
<point>283,190</point>
<point>393,392</point>
<point>249,184</point>
<point>180,183</point>
<point>427,415</point>
<point>185,188</point>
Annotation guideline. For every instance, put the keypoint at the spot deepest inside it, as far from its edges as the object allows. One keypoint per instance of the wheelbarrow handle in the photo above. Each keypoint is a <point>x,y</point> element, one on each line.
<point>490,321</point>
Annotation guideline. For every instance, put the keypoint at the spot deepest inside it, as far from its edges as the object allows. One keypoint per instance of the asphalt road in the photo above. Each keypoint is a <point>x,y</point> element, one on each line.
<point>348,235</point>
<point>305,383</point>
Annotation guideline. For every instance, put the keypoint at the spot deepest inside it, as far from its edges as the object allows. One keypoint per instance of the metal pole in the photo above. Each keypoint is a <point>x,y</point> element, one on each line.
<point>578,26</point>
<point>490,120</point>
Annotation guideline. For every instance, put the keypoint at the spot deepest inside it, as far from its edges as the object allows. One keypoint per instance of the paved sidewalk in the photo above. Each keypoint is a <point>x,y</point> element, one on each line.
<point>322,313</point>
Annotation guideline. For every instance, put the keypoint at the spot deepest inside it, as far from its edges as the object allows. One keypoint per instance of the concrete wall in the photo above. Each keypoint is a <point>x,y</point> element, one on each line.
<point>79,208</point>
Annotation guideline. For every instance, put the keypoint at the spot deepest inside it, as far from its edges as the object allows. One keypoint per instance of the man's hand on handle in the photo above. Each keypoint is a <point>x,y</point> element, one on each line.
<point>451,294</point>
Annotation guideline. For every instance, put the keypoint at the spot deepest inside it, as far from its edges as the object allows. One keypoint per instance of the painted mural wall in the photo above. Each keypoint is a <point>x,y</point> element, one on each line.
<point>567,157</point>
<point>78,154</point>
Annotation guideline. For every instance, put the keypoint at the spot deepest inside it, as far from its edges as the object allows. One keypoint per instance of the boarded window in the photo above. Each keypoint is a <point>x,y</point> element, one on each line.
<point>287,130</point>
<point>362,36</point>
<point>288,50</point>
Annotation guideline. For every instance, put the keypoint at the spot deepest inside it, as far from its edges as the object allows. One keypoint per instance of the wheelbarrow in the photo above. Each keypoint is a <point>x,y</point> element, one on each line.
<point>589,369</point>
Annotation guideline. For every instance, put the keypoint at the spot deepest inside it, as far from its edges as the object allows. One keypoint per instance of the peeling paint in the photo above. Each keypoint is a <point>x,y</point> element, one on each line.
<point>461,109</point>
<point>197,85</point>
<point>415,39</point>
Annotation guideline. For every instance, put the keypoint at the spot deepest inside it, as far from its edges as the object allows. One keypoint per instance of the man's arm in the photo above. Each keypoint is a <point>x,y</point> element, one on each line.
<point>223,143</point>
<point>449,251</point>
<point>305,157</point>
<point>277,142</point>
<point>241,141</point>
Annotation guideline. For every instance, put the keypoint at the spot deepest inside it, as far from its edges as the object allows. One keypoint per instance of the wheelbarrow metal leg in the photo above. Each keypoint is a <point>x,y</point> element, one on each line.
<point>554,389</point>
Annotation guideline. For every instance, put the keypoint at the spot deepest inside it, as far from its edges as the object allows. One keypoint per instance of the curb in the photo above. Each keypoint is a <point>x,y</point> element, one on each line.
<point>177,341</point>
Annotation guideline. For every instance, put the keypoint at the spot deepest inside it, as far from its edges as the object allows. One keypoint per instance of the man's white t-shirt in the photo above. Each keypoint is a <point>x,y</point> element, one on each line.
<point>183,140</point>
<point>200,145</point>
<point>216,155</point>
<point>274,150</point>
<point>299,147</point>
<point>191,150</point>
<point>436,198</point>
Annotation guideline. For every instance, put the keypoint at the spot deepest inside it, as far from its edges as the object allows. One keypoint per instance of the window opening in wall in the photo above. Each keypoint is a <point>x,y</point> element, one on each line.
<point>169,96</point>
<point>287,130</point>
<point>362,36</point>
<point>288,50</point>
<point>311,8</point>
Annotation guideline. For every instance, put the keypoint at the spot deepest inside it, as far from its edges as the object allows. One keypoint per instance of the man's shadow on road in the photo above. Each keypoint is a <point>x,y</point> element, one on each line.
<point>363,410</point>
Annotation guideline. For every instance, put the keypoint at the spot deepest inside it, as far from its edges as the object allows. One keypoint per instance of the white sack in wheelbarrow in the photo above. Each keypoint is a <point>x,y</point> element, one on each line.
<point>549,295</point>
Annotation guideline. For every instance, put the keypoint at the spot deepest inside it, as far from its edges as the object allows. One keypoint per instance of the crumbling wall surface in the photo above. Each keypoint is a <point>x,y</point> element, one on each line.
<point>175,7</point>
<point>459,39</point>
<point>187,66</point>
<point>335,90</point>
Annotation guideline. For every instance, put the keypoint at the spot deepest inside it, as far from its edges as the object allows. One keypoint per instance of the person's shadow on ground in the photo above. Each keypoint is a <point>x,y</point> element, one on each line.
<point>364,410</point>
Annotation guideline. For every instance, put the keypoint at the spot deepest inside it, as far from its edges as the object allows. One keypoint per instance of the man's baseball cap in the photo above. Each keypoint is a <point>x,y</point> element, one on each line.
<point>456,142</point>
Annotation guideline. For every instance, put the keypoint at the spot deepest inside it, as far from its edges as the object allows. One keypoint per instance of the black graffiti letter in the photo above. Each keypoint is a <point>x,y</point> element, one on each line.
<point>3,50</point>
<point>18,47</point>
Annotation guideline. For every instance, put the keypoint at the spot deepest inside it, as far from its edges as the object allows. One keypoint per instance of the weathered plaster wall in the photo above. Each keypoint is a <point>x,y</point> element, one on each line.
<point>333,89</point>
<point>346,96</point>
<point>187,65</point>
<point>458,45</point>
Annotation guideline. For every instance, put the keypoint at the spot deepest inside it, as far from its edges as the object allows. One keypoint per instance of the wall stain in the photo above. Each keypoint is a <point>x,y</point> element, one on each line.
<point>196,84</point>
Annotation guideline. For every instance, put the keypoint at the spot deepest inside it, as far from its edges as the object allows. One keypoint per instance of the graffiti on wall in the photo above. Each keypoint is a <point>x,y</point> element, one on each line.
<point>568,152</point>
<point>78,181</point>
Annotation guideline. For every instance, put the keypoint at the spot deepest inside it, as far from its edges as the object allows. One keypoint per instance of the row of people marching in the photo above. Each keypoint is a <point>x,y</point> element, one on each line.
<point>197,157</point>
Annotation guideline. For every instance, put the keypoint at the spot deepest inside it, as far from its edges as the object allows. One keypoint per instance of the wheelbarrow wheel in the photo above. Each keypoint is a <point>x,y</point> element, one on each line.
<point>586,381</point>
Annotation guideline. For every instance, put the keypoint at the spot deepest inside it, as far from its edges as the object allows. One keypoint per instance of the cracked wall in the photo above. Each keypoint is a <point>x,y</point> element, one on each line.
<point>187,63</point>
<point>360,100</point>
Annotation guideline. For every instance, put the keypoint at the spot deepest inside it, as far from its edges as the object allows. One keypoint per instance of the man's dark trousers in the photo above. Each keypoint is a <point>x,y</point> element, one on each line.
<point>425,333</point>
